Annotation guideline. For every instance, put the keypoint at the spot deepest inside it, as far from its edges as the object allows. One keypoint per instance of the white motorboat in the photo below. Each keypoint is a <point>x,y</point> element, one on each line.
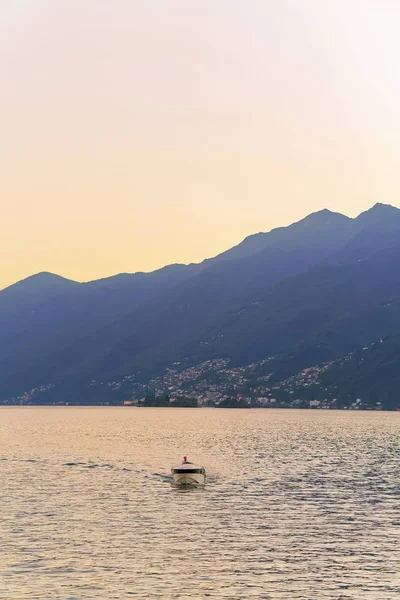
<point>188,474</point>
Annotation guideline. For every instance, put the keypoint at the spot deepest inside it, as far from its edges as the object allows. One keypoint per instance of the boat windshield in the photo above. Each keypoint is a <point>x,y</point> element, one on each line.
<point>188,470</point>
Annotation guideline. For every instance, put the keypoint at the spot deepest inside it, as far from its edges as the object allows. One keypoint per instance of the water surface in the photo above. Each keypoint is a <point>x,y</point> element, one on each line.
<point>298,504</point>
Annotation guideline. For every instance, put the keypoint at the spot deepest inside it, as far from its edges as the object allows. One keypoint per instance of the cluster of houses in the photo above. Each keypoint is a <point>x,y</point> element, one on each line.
<point>214,381</point>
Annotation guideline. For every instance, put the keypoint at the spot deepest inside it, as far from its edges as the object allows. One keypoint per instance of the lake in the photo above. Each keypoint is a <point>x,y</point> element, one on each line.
<point>298,504</point>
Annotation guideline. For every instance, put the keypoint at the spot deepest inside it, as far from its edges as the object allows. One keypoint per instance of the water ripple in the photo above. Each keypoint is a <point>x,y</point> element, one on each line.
<point>298,505</point>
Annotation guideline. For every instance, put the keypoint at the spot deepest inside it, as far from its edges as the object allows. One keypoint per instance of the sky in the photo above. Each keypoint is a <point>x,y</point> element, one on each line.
<point>136,134</point>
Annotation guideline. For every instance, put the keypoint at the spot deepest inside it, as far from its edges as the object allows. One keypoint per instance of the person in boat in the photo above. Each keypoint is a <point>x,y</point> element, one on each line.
<point>185,461</point>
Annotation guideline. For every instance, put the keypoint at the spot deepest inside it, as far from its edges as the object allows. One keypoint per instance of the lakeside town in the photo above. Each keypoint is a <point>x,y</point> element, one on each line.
<point>212,383</point>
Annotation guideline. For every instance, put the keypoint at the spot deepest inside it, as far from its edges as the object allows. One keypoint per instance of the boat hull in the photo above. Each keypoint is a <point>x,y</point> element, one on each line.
<point>191,476</point>
<point>189,479</point>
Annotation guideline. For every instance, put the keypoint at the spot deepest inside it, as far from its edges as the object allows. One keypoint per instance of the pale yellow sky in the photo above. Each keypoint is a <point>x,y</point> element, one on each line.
<point>136,134</point>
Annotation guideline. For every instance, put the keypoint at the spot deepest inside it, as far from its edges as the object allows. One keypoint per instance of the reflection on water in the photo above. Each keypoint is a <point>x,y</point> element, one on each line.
<point>298,504</point>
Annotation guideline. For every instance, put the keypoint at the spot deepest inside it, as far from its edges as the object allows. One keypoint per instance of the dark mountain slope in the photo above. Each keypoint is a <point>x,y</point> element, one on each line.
<point>28,294</point>
<point>43,314</point>
<point>379,214</point>
<point>323,299</point>
<point>372,374</point>
<point>335,339</point>
<point>320,315</point>
<point>22,304</point>
<point>256,243</point>
<point>47,309</point>
<point>313,287</point>
<point>315,303</point>
<point>163,327</point>
<point>374,231</point>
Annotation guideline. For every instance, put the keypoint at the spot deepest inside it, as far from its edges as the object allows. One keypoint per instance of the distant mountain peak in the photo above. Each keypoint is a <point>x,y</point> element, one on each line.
<point>46,276</point>
<point>43,280</point>
<point>379,212</point>
<point>380,206</point>
<point>323,212</point>
<point>322,218</point>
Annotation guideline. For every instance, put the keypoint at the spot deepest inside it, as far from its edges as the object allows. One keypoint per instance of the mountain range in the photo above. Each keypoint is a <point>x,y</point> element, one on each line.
<point>304,294</point>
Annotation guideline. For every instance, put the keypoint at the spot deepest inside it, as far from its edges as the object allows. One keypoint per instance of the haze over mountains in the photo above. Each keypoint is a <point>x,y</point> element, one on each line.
<point>310,292</point>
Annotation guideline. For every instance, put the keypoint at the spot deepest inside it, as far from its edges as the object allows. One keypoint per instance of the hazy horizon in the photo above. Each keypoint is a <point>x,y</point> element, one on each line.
<point>139,135</point>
